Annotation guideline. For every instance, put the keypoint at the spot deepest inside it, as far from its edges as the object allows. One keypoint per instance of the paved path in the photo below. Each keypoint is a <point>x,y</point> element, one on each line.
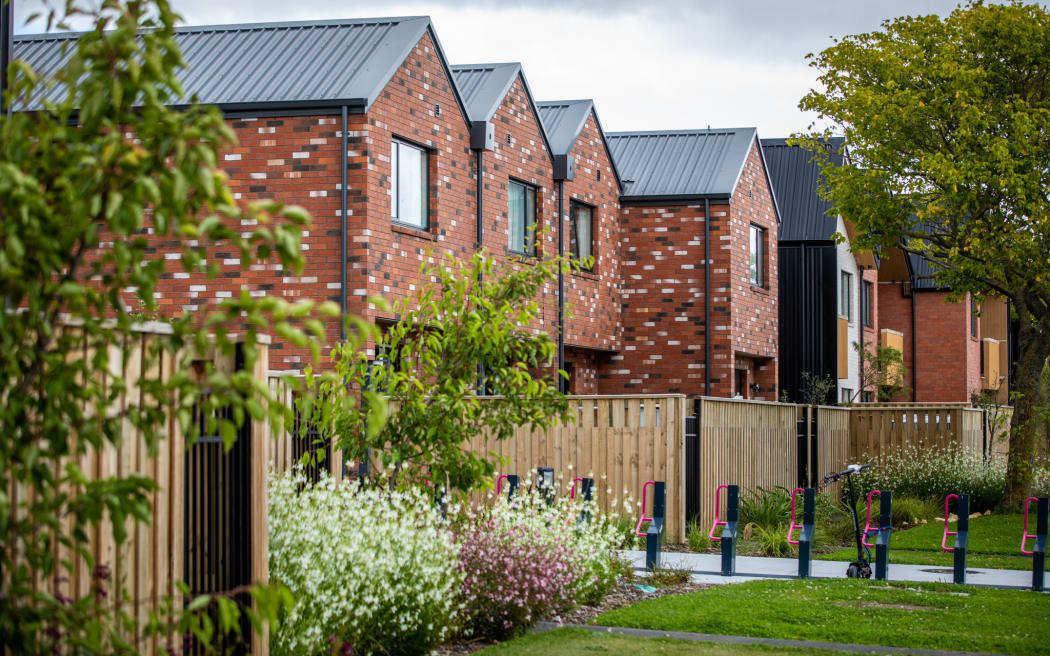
<point>706,568</point>
<point>747,640</point>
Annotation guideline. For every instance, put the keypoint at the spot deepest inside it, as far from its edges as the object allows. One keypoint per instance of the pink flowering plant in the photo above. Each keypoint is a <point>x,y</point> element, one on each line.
<point>531,558</point>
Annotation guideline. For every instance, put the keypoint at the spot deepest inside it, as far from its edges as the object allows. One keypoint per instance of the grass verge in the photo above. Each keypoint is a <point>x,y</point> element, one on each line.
<point>923,615</point>
<point>573,642</point>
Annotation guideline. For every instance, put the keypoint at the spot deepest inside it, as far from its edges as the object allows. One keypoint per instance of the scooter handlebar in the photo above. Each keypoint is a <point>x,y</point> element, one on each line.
<point>852,469</point>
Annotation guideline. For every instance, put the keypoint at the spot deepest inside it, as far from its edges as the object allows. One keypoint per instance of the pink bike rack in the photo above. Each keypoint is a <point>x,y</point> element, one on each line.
<point>717,523</point>
<point>1025,535</point>
<point>867,521</point>
<point>499,484</point>
<point>572,490</point>
<point>944,539</point>
<point>641,520</point>
<point>793,526</point>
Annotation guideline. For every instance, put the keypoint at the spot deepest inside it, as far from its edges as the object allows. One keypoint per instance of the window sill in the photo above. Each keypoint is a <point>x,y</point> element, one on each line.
<point>413,231</point>
<point>759,290</point>
<point>589,275</point>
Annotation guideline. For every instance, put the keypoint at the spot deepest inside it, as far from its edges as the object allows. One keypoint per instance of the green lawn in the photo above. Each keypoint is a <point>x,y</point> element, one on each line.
<point>995,542</point>
<point>573,642</point>
<point>932,616</point>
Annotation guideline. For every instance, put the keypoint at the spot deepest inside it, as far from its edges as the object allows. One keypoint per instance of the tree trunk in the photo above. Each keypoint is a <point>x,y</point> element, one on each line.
<point>1024,391</point>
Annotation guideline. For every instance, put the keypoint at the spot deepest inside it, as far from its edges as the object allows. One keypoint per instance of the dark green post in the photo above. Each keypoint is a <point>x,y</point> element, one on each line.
<point>805,538</point>
<point>729,530</point>
<point>654,536</point>
<point>962,537</point>
<point>587,490</point>
<point>1039,550</point>
<point>882,542</point>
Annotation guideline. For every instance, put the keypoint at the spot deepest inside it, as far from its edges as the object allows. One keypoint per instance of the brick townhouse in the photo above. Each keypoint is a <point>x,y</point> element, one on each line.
<point>832,293</point>
<point>365,124</point>
<point>698,235</point>
<point>951,350</point>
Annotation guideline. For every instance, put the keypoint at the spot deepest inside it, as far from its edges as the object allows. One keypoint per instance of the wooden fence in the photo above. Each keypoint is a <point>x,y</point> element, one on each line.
<point>748,443</point>
<point>144,569</point>
<point>882,430</point>
<point>623,441</point>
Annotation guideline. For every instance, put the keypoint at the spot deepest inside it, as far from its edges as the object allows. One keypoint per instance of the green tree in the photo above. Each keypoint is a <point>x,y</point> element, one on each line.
<point>947,122</point>
<point>450,335</point>
<point>882,369</point>
<point>103,157</point>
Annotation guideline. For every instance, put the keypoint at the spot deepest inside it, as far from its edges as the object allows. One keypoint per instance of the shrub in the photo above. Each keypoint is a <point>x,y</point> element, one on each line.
<point>669,575</point>
<point>931,474</point>
<point>372,571</point>
<point>772,541</point>
<point>529,558</point>
<point>766,507</point>
<point>697,538</point>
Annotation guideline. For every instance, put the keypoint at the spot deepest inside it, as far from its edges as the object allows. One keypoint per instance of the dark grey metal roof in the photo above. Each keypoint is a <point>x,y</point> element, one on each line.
<point>293,64</point>
<point>796,178</point>
<point>681,164</point>
<point>922,273</point>
<point>563,120</point>
<point>484,86</point>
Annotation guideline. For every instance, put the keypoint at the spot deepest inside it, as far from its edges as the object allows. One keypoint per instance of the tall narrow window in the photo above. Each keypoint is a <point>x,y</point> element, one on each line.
<point>973,317</point>
<point>757,261</point>
<point>866,289</point>
<point>408,182</point>
<point>521,213</point>
<point>846,296</point>
<point>581,244</point>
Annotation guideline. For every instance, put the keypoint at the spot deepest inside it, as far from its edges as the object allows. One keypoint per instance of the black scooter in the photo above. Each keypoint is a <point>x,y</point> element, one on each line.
<point>860,568</point>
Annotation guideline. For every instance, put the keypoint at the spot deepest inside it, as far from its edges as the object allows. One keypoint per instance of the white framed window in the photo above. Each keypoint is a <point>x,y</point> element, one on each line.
<point>409,202</point>
<point>581,240</point>
<point>846,295</point>
<point>521,215</point>
<point>757,260</point>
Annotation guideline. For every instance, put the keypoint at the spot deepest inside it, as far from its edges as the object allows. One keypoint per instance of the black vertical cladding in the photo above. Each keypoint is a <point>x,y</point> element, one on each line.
<point>808,316</point>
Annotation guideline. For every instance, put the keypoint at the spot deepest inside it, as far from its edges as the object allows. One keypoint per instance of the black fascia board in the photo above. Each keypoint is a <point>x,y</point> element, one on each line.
<point>675,199</point>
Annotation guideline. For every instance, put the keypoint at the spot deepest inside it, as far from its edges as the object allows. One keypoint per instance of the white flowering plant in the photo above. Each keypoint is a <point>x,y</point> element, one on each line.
<point>933,473</point>
<point>372,572</point>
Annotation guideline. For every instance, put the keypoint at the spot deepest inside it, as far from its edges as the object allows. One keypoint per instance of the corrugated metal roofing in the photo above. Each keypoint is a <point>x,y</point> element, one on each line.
<point>922,273</point>
<point>681,163</point>
<point>796,178</point>
<point>484,86</point>
<point>308,64</point>
<point>563,120</point>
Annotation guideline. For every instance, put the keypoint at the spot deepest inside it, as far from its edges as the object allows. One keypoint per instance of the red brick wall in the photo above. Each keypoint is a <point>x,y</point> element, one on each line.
<point>593,298</point>
<point>948,357</point>
<point>753,328</point>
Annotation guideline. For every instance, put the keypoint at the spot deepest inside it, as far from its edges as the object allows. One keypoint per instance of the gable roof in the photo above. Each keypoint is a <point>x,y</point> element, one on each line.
<point>484,86</point>
<point>563,120</point>
<point>796,179</point>
<point>304,64</point>
<point>681,164</point>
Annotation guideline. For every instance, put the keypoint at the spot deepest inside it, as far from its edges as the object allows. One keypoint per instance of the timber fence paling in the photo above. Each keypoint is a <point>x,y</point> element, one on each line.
<point>832,442</point>
<point>145,568</point>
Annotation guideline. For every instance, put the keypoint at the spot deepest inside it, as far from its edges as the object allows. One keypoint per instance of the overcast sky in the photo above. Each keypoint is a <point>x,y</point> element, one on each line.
<point>648,65</point>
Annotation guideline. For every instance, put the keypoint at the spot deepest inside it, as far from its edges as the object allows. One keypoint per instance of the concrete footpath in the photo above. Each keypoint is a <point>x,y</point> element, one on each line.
<point>706,568</point>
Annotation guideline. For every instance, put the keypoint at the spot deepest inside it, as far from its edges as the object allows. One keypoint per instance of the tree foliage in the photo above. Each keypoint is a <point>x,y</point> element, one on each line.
<point>947,122</point>
<point>99,172</point>
<point>466,356</point>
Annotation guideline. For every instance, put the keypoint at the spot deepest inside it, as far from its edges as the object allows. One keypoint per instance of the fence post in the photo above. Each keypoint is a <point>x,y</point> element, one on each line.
<point>882,543</point>
<point>962,537</point>
<point>1039,550</point>
<point>654,536</point>
<point>805,538</point>
<point>729,531</point>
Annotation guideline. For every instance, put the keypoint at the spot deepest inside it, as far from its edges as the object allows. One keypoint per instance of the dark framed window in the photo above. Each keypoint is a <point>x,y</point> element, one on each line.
<point>866,288</point>
<point>757,260</point>
<point>846,295</point>
<point>581,233</point>
<point>521,215</point>
<point>409,198</point>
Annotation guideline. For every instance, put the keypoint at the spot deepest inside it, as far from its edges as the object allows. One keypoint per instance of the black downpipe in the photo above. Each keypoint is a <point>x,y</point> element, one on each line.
<point>342,227</point>
<point>562,383</point>
<point>707,297</point>
<point>478,155</point>
<point>6,36</point>
<point>914,351</point>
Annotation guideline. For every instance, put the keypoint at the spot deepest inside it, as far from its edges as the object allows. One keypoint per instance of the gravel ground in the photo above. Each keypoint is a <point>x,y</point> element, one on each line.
<point>624,594</point>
